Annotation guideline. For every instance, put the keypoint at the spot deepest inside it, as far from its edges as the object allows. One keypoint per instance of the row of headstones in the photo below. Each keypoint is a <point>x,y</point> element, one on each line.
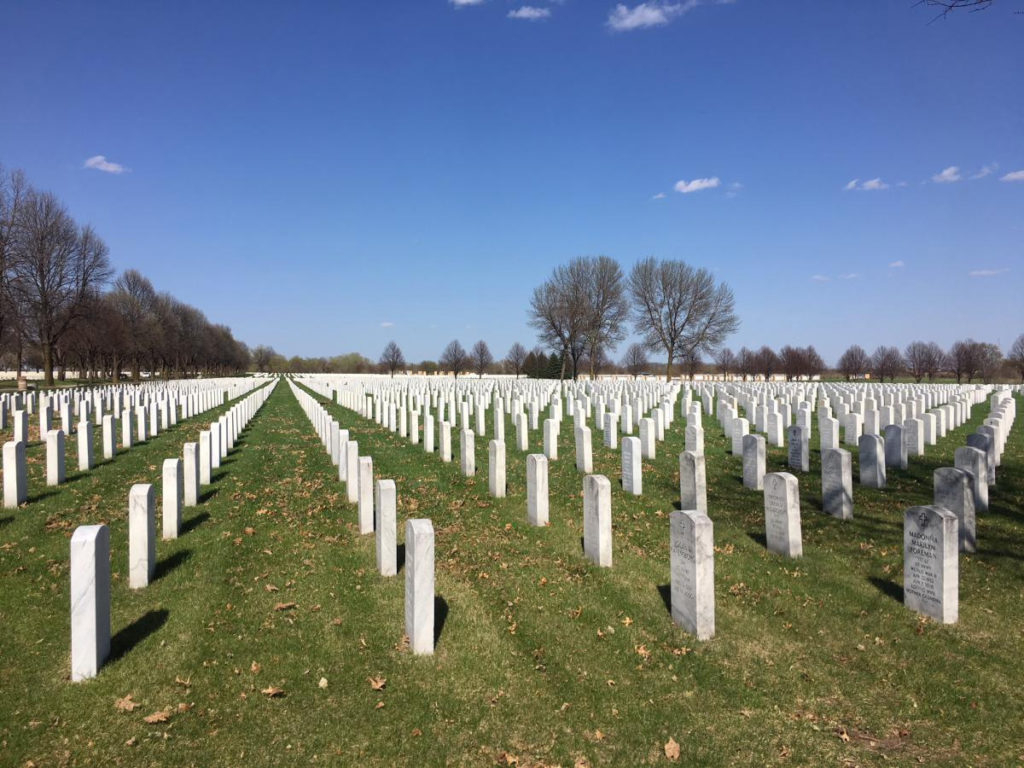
<point>378,514</point>
<point>90,544</point>
<point>149,421</point>
<point>184,397</point>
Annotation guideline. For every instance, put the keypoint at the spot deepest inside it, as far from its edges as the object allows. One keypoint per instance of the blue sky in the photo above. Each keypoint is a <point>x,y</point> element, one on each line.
<point>324,177</point>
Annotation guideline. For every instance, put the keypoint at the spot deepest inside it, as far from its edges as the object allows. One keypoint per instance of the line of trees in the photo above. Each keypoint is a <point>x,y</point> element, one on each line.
<point>966,359</point>
<point>58,308</point>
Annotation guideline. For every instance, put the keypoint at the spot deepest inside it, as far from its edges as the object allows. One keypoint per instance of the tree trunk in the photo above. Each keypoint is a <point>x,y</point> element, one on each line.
<point>48,363</point>
<point>668,365</point>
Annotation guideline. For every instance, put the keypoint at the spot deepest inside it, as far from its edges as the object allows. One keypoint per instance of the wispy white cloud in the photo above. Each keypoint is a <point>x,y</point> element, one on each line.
<point>820,278</point>
<point>530,13</point>
<point>897,264</point>
<point>871,185</point>
<point>696,185</point>
<point>100,163</point>
<point>1013,176</point>
<point>654,13</point>
<point>986,170</point>
<point>463,3</point>
<point>387,324</point>
<point>986,272</point>
<point>659,196</point>
<point>849,276</point>
<point>948,175</point>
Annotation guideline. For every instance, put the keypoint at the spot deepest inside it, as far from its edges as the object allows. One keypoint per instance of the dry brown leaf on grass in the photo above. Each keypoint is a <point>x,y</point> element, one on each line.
<point>125,703</point>
<point>672,749</point>
<point>284,606</point>
<point>160,716</point>
<point>377,683</point>
<point>255,668</point>
<point>270,588</point>
<point>273,692</point>
<point>186,683</point>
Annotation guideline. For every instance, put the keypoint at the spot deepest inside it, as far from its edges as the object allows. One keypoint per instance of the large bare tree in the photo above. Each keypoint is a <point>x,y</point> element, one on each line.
<point>516,358</point>
<point>924,359</point>
<point>854,362</point>
<point>606,306</point>
<point>13,191</point>
<point>481,357</point>
<point>887,361</point>
<point>57,266</point>
<point>392,358</point>
<point>680,309</point>
<point>558,310</point>
<point>135,299</point>
<point>454,358</point>
<point>635,359</point>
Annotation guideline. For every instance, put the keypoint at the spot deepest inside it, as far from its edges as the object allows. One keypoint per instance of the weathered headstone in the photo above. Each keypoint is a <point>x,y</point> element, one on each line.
<point>872,461</point>
<point>365,490</point>
<point>597,520</point>
<point>895,447</point>
<point>693,486</point>
<point>584,450</point>
<point>782,514</point>
<point>496,482</point>
<point>753,462</point>
<point>172,492</point>
<point>190,473</point>
<point>972,460</point>
<point>419,585</point>
<point>692,564</point>
<point>467,452</point>
<point>537,489</point>
<point>15,474</point>
<point>632,468</point>
<point>90,600</point>
<point>551,439</point>
<point>55,469</point>
<point>84,446</point>
<point>837,483</point>
<point>931,576</point>
<point>799,448</point>
<point>385,505</point>
<point>141,535</point>
<point>953,491</point>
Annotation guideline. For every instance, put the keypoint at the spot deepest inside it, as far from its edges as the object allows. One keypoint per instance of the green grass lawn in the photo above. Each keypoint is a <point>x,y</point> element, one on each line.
<point>267,633</point>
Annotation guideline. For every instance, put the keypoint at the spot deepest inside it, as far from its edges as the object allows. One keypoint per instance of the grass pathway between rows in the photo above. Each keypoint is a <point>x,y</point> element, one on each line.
<point>542,659</point>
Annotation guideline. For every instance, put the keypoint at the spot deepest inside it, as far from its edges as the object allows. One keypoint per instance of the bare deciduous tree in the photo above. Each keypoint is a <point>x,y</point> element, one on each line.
<point>726,361</point>
<point>680,309</point>
<point>963,359</point>
<point>454,358</point>
<point>516,358</point>
<point>1016,356</point>
<point>854,362</point>
<point>606,307</point>
<point>56,267</point>
<point>767,362</point>
<point>887,361</point>
<point>481,357</point>
<point>924,359</point>
<point>392,358</point>
<point>635,359</point>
